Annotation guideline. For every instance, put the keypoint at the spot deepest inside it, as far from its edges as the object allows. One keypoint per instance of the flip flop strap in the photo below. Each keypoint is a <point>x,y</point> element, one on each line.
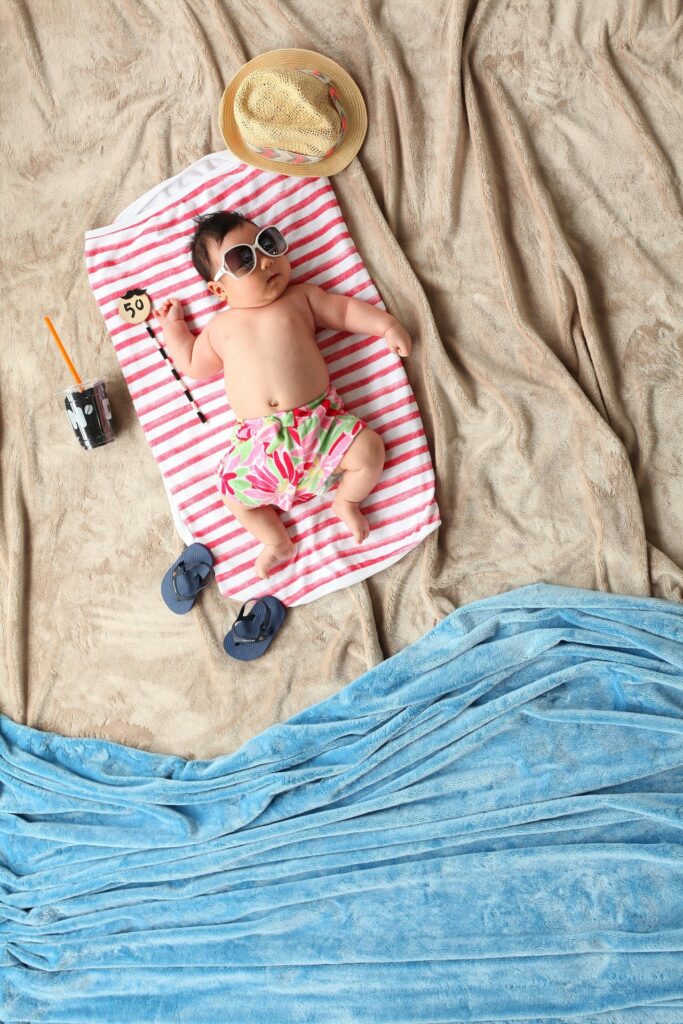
<point>264,629</point>
<point>189,571</point>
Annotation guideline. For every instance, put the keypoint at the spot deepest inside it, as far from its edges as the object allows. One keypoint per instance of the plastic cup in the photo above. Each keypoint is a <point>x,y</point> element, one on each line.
<point>89,412</point>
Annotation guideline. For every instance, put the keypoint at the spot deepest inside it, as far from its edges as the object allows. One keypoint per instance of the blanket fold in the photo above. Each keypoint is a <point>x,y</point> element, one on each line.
<point>486,826</point>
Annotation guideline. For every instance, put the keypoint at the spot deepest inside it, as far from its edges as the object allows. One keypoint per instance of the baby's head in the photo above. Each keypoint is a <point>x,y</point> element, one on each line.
<point>215,234</point>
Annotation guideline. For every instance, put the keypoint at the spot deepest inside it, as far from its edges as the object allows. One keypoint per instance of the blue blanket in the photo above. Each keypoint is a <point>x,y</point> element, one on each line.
<point>486,827</point>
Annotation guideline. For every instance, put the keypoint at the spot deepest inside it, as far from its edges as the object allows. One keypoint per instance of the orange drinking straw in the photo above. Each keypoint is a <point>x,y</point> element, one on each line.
<point>61,348</point>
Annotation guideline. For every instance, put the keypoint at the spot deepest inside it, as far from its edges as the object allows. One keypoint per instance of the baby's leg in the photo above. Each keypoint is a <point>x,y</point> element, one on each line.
<point>265,524</point>
<point>362,467</point>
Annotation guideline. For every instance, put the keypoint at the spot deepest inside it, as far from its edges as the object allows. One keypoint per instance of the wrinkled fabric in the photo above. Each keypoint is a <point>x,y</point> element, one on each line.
<point>487,826</point>
<point>517,201</point>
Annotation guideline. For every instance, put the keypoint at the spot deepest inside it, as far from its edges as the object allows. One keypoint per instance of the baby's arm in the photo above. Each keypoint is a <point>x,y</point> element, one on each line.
<point>330,309</point>
<point>193,357</point>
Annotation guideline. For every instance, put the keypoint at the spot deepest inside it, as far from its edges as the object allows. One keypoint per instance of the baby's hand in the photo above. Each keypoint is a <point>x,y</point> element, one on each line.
<point>398,340</point>
<point>170,311</point>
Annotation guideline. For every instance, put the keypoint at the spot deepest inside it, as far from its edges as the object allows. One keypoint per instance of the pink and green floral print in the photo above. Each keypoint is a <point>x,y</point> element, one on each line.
<point>287,457</point>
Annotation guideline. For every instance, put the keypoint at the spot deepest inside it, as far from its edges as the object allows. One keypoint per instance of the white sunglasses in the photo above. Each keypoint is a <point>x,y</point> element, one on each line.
<point>240,260</point>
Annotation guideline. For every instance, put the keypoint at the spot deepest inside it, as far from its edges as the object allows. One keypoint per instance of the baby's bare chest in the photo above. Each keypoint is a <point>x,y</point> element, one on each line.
<point>270,333</point>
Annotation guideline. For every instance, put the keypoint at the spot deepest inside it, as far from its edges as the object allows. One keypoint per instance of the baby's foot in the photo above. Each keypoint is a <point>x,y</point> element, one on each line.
<point>350,513</point>
<point>272,555</point>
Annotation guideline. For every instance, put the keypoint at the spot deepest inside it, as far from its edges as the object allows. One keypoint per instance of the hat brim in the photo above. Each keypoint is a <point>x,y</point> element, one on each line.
<point>349,95</point>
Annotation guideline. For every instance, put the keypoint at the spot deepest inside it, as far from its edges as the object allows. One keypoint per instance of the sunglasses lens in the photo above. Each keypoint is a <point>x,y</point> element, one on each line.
<point>272,241</point>
<point>239,260</point>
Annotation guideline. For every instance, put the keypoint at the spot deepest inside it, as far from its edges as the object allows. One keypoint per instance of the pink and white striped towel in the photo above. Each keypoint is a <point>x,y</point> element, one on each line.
<point>147,247</point>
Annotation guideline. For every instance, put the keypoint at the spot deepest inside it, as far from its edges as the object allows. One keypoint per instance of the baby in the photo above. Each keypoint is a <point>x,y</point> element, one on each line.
<point>292,431</point>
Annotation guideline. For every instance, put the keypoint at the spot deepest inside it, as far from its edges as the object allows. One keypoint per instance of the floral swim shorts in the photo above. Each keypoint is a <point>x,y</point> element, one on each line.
<point>287,457</point>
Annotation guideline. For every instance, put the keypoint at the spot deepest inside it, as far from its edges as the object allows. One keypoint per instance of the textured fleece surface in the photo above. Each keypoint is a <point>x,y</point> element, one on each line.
<point>485,827</point>
<point>517,201</point>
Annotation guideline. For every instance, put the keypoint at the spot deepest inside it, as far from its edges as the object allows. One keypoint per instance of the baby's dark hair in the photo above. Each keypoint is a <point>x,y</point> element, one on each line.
<point>212,227</point>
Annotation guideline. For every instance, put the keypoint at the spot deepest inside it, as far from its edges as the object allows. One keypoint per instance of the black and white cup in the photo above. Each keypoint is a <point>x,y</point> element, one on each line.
<point>89,412</point>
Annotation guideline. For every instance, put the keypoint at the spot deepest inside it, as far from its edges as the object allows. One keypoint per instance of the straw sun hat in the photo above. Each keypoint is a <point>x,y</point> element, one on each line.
<point>293,111</point>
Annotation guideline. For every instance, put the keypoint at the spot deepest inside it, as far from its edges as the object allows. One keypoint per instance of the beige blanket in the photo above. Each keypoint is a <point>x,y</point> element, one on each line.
<point>517,201</point>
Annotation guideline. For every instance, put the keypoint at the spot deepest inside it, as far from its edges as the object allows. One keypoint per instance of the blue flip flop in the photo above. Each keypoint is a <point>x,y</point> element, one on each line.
<point>190,573</point>
<point>251,635</point>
